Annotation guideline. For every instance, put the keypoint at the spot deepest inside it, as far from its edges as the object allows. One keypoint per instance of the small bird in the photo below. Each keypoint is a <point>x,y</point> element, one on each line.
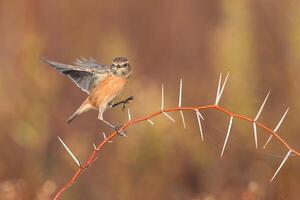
<point>102,83</point>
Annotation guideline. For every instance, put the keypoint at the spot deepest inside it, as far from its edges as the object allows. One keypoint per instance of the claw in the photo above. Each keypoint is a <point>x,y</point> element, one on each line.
<point>124,102</point>
<point>117,128</point>
<point>121,133</point>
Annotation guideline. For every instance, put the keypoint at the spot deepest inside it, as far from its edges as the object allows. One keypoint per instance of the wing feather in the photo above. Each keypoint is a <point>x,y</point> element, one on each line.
<point>86,74</point>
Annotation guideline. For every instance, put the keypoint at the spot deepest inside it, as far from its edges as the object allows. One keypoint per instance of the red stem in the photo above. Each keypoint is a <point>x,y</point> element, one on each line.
<point>93,155</point>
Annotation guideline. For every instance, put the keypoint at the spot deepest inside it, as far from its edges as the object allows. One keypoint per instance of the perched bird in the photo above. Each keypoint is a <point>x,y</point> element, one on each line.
<point>102,83</point>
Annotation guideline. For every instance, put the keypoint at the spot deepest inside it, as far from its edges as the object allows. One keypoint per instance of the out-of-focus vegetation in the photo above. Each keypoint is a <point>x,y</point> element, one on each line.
<point>257,41</point>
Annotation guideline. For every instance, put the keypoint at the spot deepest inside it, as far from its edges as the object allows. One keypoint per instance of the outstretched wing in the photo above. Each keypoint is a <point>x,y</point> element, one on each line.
<point>88,63</point>
<point>86,74</point>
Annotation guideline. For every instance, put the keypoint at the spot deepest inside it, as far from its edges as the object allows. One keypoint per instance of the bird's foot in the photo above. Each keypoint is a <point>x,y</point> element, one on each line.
<point>122,132</point>
<point>116,128</point>
<point>124,102</point>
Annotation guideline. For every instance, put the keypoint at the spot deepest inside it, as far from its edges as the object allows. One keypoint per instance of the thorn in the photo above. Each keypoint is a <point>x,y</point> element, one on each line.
<point>182,117</point>
<point>267,142</point>
<point>255,134</point>
<point>104,135</point>
<point>151,122</point>
<point>179,103</point>
<point>70,152</point>
<point>200,114</point>
<point>168,116</point>
<point>227,135</point>
<point>277,127</point>
<point>218,90</point>
<point>162,96</point>
<point>95,147</point>
<point>129,116</point>
<point>105,138</point>
<point>281,120</point>
<point>222,89</point>
<point>223,86</point>
<point>261,107</point>
<point>282,163</point>
<point>180,93</point>
<point>199,123</point>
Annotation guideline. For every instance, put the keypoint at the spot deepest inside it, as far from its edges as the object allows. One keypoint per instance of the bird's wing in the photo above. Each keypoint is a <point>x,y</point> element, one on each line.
<point>86,74</point>
<point>88,63</point>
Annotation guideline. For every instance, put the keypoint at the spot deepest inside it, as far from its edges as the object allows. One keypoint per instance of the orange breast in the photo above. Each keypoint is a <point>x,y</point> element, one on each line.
<point>106,91</point>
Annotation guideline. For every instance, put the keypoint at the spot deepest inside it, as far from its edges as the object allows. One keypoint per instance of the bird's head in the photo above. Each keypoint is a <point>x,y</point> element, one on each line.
<point>120,67</point>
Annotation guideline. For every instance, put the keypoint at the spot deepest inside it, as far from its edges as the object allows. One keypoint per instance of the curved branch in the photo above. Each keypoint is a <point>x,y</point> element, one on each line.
<point>107,140</point>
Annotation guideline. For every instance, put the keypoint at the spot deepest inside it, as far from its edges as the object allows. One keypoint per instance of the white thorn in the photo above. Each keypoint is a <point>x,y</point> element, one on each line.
<point>267,142</point>
<point>222,89</point>
<point>162,96</point>
<point>70,152</point>
<point>151,122</point>
<point>168,116</point>
<point>183,120</point>
<point>227,135</point>
<point>180,93</point>
<point>200,125</point>
<point>261,107</point>
<point>129,116</point>
<point>281,120</point>
<point>95,147</point>
<point>277,127</point>
<point>255,134</point>
<point>104,136</point>
<point>199,114</point>
<point>280,166</point>
<point>218,90</point>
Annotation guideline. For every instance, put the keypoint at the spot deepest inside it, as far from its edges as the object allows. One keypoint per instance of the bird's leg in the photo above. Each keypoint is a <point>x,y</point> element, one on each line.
<point>122,133</point>
<point>124,102</point>
<point>100,117</point>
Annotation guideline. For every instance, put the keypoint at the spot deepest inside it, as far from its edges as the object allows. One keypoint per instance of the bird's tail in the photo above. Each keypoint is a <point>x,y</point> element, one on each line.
<point>85,106</point>
<point>72,117</point>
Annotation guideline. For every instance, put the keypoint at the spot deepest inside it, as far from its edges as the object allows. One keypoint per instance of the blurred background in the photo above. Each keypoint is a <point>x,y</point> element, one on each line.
<point>258,41</point>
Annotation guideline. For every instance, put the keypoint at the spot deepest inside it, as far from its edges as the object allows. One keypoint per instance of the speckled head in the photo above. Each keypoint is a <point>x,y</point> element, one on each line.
<point>120,67</point>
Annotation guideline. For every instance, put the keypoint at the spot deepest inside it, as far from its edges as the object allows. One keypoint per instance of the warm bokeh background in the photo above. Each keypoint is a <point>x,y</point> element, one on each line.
<point>258,41</point>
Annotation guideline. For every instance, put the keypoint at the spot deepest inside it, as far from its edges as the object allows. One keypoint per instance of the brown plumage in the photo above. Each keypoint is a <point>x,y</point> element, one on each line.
<point>100,97</point>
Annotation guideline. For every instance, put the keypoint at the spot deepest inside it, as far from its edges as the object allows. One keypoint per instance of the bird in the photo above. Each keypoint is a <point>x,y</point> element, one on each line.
<point>102,83</point>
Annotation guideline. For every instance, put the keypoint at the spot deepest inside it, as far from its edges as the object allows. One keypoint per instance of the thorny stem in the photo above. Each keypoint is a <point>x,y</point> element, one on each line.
<point>98,148</point>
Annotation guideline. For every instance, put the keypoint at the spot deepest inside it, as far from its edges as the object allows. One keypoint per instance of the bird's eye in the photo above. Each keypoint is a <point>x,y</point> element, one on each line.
<point>125,65</point>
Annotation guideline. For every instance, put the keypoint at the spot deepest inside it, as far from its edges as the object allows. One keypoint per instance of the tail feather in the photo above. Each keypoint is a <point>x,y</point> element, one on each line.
<point>72,117</point>
<point>85,106</point>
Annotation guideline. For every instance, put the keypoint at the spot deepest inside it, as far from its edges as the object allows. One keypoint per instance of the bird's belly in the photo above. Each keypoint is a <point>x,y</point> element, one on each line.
<point>106,91</point>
